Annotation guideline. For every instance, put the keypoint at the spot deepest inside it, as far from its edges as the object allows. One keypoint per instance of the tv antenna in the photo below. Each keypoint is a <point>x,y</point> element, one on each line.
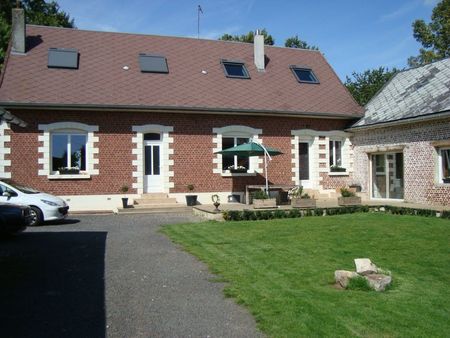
<point>199,10</point>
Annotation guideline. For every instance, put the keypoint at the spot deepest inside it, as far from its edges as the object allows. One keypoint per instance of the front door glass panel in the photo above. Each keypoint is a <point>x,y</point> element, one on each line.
<point>303,156</point>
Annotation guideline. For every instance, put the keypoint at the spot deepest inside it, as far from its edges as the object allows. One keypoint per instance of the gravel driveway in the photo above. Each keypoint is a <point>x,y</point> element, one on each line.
<point>115,276</point>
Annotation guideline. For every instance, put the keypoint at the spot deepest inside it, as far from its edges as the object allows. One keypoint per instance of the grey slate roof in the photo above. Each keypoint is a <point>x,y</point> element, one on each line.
<point>411,93</point>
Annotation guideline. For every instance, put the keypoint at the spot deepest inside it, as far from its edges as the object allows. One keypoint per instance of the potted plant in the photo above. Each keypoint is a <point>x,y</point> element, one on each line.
<point>69,170</point>
<point>337,169</point>
<point>300,199</point>
<point>191,200</point>
<point>237,169</point>
<point>348,197</point>
<point>262,200</point>
<point>216,202</point>
<point>446,179</point>
<point>124,189</point>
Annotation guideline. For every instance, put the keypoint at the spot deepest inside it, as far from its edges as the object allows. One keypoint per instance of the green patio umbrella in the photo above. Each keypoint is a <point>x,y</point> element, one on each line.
<point>253,149</point>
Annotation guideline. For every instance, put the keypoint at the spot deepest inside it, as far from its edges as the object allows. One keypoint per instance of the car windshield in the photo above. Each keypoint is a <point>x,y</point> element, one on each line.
<point>25,190</point>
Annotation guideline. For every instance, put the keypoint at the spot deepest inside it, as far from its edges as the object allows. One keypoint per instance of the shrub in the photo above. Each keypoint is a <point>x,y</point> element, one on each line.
<point>260,195</point>
<point>347,193</point>
<point>358,283</point>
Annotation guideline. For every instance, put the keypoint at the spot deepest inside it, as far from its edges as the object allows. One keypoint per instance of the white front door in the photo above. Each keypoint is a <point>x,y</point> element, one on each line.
<point>153,175</point>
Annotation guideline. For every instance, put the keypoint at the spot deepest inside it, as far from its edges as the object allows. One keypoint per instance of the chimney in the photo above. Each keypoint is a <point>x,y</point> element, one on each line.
<point>258,45</point>
<point>18,30</point>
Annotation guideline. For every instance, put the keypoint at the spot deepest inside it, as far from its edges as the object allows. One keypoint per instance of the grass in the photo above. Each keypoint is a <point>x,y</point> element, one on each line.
<point>283,270</point>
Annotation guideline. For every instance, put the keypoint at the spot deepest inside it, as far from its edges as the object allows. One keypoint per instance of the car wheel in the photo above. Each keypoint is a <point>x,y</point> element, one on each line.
<point>36,216</point>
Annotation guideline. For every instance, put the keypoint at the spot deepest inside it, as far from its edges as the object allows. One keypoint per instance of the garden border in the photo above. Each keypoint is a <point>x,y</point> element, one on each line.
<point>254,215</point>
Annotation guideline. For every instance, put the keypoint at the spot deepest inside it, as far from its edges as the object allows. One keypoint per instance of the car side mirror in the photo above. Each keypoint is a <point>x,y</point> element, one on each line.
<point>9,194</point>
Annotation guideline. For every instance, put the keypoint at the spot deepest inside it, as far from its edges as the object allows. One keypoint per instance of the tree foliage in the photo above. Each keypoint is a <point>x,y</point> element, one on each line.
<point>38,12</point>
<point>249,37</point>
<point>434,36</point>
<point>363,86</point>
<point>295,42</point>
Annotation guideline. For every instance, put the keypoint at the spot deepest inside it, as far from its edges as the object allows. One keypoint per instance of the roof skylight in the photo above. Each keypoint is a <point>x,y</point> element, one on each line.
<point>153,63</point>
<point>62,58</point>
<point>235,69</point>
<point>304,75</point>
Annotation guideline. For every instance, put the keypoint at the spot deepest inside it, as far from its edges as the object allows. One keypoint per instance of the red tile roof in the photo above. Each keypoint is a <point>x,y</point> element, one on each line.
<point>102,81</point>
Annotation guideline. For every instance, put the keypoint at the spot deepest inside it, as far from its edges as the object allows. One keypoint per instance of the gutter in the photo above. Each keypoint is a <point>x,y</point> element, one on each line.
<point>416,119</point>
<point>175,109</point>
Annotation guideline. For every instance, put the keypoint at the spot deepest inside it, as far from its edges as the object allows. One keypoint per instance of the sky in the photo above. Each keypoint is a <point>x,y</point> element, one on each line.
<point>354,35</point>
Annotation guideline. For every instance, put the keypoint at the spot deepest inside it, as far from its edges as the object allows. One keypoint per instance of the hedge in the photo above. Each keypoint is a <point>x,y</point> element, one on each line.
<point>253,215</point>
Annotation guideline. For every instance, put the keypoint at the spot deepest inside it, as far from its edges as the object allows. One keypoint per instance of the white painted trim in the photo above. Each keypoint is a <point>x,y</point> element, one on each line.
<point>166,160</point>
<point>97,202</point>
<point>235,131</point>
<point>440,159</point>
<point>68,126</point>
<point>313,137</point>
<point>4,171</point>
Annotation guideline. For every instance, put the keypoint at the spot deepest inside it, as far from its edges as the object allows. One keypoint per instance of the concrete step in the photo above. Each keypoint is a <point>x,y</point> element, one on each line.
<point>158,205</point>
<point>155,209</point>
<point>154,195</point>
<point>151,201</point>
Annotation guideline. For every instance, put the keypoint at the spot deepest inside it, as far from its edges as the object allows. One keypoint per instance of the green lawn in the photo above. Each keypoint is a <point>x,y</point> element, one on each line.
<point>283,271</point>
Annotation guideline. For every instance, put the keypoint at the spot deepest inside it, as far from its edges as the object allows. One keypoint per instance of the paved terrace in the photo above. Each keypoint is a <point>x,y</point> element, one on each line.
<point>321,203</point>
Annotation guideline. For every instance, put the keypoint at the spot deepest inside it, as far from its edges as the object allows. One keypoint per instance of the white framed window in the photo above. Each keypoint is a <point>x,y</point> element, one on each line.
<point>335,147</point>
<point>234,161</point>
<point>228,137</point>
<point>67,150</point>
<point>444,165</point>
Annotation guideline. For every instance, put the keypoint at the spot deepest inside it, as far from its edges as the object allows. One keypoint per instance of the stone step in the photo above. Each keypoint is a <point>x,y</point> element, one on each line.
<point>154,195</point>
<point>152,201</point>
<point>155,209</point>
<point>158,205</point>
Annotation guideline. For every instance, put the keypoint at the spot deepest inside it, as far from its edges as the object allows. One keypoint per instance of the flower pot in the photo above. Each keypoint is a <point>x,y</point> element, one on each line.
<point>69,171</point>
<point>191,200</point>
<point>338,170</point>
<point>264,203</point>
<point>216,205</point>
<point>125,202</point>
<point>344,201</point>
<point>303,203</point>
<point>238,171</point>
<point>446,180</point>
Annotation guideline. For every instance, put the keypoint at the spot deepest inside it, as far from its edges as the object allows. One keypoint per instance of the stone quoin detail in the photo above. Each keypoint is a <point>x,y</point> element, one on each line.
<point>4,150</point>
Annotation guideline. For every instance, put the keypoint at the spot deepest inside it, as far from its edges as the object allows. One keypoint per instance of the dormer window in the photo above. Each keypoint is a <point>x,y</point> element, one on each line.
<point>235,69</point>
<point>62,58</point>
<point>304,75</point>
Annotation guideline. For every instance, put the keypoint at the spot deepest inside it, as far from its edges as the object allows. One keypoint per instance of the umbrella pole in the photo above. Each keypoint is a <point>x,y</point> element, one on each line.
<point>265,170</point>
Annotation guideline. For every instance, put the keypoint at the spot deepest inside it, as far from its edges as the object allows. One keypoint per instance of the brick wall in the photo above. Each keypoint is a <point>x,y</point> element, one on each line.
<point>420,158</point>
<point>192,149</point>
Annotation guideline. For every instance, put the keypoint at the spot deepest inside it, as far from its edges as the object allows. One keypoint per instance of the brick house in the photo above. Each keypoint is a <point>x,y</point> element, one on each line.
<point>150,112</point>
<point>402,144</point>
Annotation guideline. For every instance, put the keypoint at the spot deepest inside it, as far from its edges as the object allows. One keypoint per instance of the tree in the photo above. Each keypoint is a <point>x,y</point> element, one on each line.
<point>295,42</point>
<point>268,39</point>
<point>363,86</point>
<point>434,36</point>
<point>37,12</point>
